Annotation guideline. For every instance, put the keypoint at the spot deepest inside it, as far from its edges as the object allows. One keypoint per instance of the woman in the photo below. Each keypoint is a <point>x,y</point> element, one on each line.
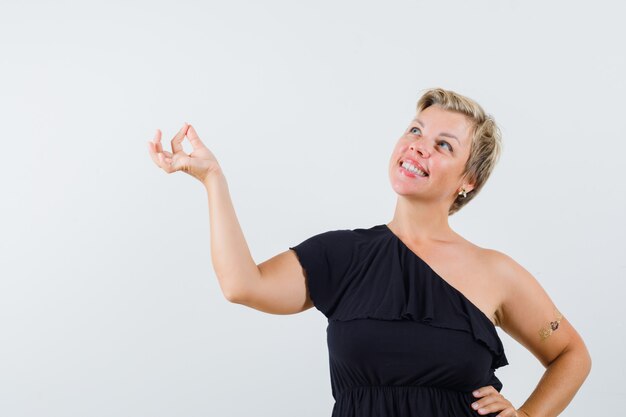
<point>412,306</point>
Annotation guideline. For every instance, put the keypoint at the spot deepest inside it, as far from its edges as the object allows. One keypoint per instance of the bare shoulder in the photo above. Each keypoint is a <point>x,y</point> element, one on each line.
<point>526,311</point>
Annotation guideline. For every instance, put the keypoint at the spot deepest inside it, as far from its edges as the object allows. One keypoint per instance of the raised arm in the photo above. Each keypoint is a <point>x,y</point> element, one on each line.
<point>275,286</point>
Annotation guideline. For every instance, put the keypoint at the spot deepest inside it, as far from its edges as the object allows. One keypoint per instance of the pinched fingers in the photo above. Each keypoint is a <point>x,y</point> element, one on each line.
<point>177,141</point>
<point>196,143</point>
<point>164,159</point>
<point>161,159</point>
<point>200,163</point>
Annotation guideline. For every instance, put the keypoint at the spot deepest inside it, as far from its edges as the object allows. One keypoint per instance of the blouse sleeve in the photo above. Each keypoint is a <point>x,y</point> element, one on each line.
<point>326,259</point>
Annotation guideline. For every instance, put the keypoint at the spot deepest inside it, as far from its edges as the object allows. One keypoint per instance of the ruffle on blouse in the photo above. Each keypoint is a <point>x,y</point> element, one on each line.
<point>425,306</point>
<point>413,291</point>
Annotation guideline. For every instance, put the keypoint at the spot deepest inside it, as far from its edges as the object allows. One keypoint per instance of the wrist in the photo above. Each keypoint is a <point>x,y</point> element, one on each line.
<point>212,177</point>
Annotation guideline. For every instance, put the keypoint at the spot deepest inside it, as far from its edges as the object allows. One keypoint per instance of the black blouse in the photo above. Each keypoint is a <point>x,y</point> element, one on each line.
<point>402,341</point>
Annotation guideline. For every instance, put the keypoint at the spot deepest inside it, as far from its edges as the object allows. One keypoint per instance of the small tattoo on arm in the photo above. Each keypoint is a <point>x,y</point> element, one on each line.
<point>546,331</point>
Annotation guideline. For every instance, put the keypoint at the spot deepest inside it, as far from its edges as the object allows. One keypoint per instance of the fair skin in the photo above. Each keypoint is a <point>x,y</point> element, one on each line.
<point>507,293</point>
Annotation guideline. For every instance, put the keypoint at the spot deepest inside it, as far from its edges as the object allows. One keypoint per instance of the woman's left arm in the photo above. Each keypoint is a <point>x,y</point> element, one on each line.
<point>530,317</point>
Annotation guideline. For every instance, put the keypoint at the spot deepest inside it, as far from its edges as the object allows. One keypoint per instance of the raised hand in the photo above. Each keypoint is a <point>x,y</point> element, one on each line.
<point>200,163</point>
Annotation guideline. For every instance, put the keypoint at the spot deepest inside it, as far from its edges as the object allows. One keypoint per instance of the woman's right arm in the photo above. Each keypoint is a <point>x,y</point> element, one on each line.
<point>276,286</point>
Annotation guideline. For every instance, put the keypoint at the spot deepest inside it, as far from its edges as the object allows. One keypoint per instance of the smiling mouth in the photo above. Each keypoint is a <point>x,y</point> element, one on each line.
<point>411,170</point>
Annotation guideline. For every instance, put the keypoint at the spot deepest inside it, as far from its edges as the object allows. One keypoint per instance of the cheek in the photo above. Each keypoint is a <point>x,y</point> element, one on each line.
<point>400,148</point>
<point>448,172</point>
<point>395,155</point>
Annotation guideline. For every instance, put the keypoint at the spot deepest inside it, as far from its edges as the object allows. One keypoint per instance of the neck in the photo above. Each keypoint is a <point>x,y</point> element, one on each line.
<point>421,221</point>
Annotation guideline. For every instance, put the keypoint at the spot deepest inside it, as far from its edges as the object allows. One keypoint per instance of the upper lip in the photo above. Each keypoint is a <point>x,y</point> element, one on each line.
<point>414,162</point>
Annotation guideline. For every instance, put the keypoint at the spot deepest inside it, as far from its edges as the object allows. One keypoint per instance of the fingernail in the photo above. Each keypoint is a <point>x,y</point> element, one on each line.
<point>475,393</point>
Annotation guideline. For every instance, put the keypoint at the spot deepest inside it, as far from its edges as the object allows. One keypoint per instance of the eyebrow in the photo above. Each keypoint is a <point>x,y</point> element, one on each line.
<point>448,135</point>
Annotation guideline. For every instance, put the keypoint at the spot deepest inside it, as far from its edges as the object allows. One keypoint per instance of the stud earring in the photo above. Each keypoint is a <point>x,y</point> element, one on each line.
<point>463,192</point>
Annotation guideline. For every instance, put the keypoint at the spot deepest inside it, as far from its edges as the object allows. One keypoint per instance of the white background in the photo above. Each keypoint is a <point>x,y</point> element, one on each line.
<point>109,305</point>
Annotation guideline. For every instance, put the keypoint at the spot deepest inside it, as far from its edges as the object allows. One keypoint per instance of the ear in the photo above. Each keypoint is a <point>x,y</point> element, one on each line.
<point>467,184</point>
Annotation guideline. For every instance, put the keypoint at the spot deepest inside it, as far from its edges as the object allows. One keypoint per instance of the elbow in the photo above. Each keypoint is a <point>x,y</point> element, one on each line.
<point>579,358</point>
<point>230,292</point>
<point>584,357</point>
<point>588,362</point>
<point>585,366</point>
<point>234,295</point>
<point>236,289</point>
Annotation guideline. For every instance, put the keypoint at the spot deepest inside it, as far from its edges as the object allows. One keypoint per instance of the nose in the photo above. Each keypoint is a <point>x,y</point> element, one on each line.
<point>419,146</point>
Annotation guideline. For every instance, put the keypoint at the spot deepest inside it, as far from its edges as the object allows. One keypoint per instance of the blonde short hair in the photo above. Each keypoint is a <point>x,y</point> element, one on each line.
<point>486,138</point>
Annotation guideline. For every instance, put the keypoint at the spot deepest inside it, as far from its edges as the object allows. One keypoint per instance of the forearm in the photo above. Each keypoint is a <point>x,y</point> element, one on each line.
<point>558,385</point>
<point>230,255</point>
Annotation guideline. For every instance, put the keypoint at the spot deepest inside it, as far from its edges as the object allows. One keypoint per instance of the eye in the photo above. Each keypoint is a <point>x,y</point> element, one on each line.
<point>449,146</point>
<point>441,141</point>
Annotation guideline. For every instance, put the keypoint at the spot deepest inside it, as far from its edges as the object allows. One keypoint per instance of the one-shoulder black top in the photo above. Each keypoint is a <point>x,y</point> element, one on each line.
<point>402,341</point>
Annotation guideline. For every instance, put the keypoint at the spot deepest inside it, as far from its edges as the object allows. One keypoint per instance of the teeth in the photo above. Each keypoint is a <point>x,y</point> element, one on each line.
<point>410,167</point>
